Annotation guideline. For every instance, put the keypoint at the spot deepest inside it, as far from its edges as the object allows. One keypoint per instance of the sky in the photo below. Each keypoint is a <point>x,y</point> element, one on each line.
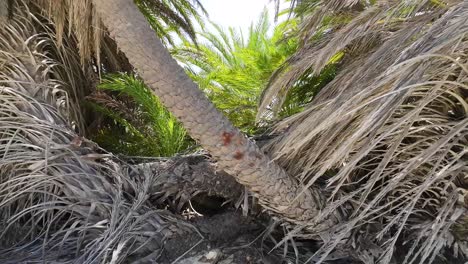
<point>237,13</point>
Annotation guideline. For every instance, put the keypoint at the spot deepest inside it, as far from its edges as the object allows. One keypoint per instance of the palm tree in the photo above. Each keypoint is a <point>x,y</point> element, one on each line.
<point>386,139</point>
<point>127,119</point>
<point>232,69</point>
<point>63,198</point>
<point>235,153</point>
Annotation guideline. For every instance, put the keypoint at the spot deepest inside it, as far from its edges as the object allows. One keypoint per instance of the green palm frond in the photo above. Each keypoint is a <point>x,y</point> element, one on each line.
<point>174,16</point>
<point>145,125</point>
<point>232,70</point>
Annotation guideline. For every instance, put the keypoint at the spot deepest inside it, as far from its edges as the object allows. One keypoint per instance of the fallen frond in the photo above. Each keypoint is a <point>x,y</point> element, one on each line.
<point>387,139</point>
<point>62,198</point>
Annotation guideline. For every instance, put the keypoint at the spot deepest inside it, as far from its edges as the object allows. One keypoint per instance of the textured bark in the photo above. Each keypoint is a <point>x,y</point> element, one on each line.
<point>184,177</point>
<point>237,155</point>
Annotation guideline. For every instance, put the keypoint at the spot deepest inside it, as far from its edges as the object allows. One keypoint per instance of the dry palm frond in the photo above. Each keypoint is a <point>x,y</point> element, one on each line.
<point>61,197</point>
<point>367,27</point>
<point>388,141</point>
<point>4,10</point>
<point>29,55</point>
<point>79,17</point>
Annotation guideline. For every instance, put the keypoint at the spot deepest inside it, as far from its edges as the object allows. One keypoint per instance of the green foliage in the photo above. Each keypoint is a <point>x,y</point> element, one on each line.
<point>234,70</point>
<point>171,18</point>
<point>137,123</point>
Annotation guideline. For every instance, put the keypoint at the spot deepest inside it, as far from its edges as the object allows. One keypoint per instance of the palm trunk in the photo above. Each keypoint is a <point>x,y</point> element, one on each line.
<point>235,153</point>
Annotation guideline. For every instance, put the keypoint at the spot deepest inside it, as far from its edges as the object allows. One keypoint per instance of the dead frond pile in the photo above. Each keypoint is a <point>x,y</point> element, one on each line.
<point>61,197</point>
<point>388,138</point>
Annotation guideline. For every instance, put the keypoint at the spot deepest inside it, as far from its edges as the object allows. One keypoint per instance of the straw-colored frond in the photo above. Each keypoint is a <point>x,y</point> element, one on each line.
<point>388,141</point>
<point>62,198</point>
<point>79,17</point>
<point>352,29</point>
<point>4,11</point>
<point>30,54</point>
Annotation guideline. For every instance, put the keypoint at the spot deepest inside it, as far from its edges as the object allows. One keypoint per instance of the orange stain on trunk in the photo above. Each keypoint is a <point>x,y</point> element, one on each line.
<point>227,138</point>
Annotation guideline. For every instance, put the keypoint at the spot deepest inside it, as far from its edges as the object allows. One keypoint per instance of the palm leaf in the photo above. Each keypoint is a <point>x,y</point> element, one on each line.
<point>387,139</point>
<point>232,70</point>
<point>62,198</point>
